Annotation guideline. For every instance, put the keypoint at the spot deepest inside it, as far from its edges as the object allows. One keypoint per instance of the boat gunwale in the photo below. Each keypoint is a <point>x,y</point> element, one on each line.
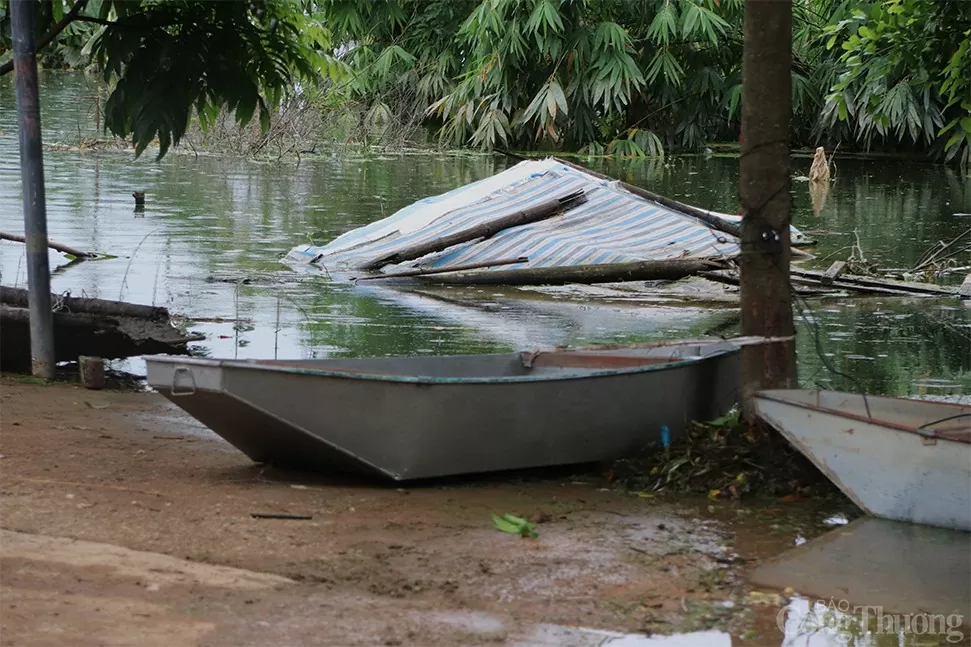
<point>423,379</point>
<point>933,434</point>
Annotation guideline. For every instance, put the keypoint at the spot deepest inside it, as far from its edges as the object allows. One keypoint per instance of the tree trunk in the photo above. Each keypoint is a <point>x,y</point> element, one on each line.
<point>17,297</point>
<point>764,193</point>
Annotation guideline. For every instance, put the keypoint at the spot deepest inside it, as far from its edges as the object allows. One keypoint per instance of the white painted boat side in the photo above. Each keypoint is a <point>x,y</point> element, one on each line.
<point>888,472</point>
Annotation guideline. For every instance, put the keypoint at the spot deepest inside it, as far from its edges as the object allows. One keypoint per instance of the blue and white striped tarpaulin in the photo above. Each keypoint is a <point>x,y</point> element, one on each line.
<point>612,226</point>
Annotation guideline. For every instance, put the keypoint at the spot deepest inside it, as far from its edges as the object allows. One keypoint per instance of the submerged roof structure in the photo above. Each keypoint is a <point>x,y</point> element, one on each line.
<point>611,226</point>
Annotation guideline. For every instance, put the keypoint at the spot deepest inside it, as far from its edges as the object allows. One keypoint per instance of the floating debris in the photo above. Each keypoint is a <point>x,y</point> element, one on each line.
<point>551,222</point>
<point>90,327</point>
<point>567,224</point>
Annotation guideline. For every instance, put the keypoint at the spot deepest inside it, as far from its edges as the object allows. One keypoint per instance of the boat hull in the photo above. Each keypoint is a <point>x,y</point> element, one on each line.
<point>873,452</point>
<point>348,414</point>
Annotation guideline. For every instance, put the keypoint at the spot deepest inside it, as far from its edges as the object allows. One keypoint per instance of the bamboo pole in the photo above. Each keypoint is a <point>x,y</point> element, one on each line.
<point>541,211</point>
<point>869,282</point>
<point>861,288</point>
<point>713,221</point>
<point>443,270</point>
<point>849,283</point>
<point>60,247</point>
<point>603,273</point>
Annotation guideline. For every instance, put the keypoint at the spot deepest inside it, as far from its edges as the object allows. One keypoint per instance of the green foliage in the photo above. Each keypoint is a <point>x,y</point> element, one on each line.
<point>164,60</point>
<point>905,75</point>
<point>612,77</point>
<point>399,54</point>
<point>601,76</point>
<point>633,78</point>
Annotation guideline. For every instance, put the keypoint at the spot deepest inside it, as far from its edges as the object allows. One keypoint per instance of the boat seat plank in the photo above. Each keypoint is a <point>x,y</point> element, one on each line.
<point>590,361</point>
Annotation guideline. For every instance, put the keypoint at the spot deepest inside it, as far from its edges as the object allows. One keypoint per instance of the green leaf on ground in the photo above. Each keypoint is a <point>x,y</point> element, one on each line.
<point>515,526</point>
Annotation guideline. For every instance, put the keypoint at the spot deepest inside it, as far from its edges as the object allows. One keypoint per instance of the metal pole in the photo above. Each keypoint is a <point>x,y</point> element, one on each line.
<point>32,179</point>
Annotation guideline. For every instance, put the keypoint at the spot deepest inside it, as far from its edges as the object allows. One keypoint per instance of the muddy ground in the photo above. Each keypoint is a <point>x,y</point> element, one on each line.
<point>127,523</point>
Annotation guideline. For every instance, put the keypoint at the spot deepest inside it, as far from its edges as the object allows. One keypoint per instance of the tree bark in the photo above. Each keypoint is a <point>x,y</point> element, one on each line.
<point>83,333</point>
<point>17,297</point>
<point>60,247</point>
<point>764,192</point>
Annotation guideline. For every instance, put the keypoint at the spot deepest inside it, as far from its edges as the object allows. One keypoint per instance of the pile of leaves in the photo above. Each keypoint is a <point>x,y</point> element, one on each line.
<point>725,457</point>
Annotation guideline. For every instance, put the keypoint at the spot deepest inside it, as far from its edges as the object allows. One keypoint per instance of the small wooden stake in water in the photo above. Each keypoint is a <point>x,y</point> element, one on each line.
<point>276,332</point>
<point>965,290</point>
<point>92,370</point>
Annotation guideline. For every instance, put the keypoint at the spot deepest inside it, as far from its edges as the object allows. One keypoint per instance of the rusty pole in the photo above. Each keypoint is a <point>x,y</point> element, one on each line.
<point>32,181</point>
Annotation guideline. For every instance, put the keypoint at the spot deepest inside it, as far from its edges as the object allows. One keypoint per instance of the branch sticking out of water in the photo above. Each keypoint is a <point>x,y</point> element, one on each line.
<point>124,279</point>
<point>936,253</point>
<point>60,247</point>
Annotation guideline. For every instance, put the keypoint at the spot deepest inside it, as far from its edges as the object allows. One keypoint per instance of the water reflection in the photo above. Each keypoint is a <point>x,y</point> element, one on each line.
<point>827,623</point>
<point>874,582</point>
<point>561,636</point>
<point>526,319</point>
<point>818,192</point>
<point>208,242</point>
<point>886,346</point>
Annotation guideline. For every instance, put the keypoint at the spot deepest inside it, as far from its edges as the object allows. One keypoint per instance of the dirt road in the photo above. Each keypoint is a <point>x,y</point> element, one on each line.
<point>127,523</point>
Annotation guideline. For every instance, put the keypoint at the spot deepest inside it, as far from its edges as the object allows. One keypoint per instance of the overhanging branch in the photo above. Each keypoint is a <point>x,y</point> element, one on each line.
<point>46,39</point>
<point>97,21</point>
<point>127,25</point>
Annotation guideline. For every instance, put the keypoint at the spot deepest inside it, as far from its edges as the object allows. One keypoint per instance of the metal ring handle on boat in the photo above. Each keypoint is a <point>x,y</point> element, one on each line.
<point>182,370</point>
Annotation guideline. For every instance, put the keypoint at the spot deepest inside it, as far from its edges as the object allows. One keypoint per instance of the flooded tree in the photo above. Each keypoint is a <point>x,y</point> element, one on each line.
<point>766,202</point>
<point>640,78</point>
<point>632,79</point>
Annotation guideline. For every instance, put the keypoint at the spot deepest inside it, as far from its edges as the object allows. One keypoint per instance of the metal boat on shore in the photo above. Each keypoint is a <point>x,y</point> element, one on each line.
<point>896,458</point>
<point>422,417</point>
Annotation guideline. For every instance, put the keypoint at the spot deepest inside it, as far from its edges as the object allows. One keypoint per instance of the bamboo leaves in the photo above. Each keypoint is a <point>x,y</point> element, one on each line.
<point>956,88</point>
<point>699,23</point>
<point>544,108</point>
<point>611,37</point>
<point>493,128</point>
<point>549,99</point>
<point>607,77</point>
<point>664,63</point>
<point>664,27</point>
<point>545,18</point>
<point>904,75</point>
<point>393,58</point>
